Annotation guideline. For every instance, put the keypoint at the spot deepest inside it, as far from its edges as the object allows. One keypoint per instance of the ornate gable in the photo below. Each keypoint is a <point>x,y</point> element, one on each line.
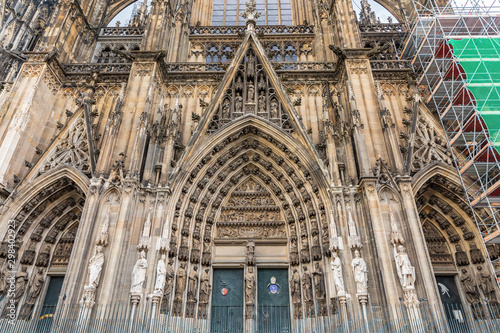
<point>250,92</point>
<point>72,148</point>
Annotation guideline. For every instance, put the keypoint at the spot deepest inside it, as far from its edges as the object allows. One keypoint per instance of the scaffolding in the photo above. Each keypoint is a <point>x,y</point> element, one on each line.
<point>455,52</point>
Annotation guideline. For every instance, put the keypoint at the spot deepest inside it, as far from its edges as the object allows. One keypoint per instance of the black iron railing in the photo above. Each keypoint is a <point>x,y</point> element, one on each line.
<point>336,317</point>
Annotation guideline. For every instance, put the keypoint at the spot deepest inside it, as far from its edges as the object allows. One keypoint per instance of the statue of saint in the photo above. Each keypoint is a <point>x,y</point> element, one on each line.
<point>295,286</point>
<point>274,109</point>
<point>337,273</point>
<point>250,286</point>
<point>319,281</point>
<point>486,284</point>
<point>238,103</point>
<point>406,271</point>
<point>251,92</point>
<point>161,275</point>
<point>181,282</point>
<point>193,284</point>
<point>226,109</point>
<point>471,292</point>
<point>307,284</point>
<point>139,273</point>
<point>360,271</point>
<point>205,287</point>
<point>169,277</point>
<point>95,267</point>
<point>262,102</point>
<point>21,281</point>
<point>33,293</point>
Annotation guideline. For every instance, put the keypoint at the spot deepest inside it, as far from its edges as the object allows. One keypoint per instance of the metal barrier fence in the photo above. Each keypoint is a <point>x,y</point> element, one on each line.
<point>349,318</point>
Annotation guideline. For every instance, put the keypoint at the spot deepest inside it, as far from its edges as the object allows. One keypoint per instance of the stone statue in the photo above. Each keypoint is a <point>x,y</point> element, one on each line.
<point>205,287</point>
<point>139,273</point>
<point>250,253</point>
<point>406,271</point>
<point>34,292</point>
<point>471,292</point>
<point>262,82</point>
<point>337,273</point>
<point>319,282</point>
<point>161,275</point>
<point>251,65</point>
<point>169,278</point>
<point>307,285</point>
<point>2,283</point>
<point>295,287</point>
<point>238,103</point>
<point>36,287</point>
<point>262,102</point>
<point>250,286</point>
<point>486,284</point>
<point>475,254</point>
<point>21,281</point>
<point>181,282</point>
<point>193,284</point>
<point>239,83</point>
<point>461,256</point>
<point>274,109</point>
<point>360,271</point>
<point>226,109</point>
<point>95,267</point>
<point>251,92</point>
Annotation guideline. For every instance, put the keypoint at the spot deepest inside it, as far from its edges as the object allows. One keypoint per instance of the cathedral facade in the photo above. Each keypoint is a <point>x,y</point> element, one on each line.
<point>266,166</point>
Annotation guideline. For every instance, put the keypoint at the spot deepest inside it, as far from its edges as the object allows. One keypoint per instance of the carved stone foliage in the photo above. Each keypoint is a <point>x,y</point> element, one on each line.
<point>73,149</point>
<point>429,146</point>
<point>250,212</point>
<point>250,92</point>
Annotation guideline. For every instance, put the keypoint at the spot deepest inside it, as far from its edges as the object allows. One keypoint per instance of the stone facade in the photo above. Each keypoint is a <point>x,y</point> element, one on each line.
<point>136,160</point>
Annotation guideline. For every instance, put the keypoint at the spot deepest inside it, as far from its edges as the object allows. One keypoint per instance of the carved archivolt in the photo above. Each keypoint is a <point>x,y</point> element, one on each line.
<point>73,149</point>
<point>249,186</point>
<point>45,231</point>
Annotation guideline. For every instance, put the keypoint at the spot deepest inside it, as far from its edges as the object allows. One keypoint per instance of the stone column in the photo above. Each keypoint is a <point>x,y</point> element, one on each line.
<point>422,258</point>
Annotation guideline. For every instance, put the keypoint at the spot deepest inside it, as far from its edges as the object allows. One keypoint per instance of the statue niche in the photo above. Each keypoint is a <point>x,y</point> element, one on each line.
<point>251,213</point>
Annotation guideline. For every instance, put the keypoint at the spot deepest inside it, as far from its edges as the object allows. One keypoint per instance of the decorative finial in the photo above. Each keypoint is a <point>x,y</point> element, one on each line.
<point>251,15</point>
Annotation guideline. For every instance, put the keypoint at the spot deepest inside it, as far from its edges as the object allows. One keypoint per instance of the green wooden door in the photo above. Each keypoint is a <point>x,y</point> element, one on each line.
<point>49,304</point>
<point>273,303</point>
<point>227,301</point>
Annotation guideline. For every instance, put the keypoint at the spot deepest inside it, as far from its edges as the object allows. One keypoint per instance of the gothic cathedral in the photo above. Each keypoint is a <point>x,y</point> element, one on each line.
<point>226,166</point>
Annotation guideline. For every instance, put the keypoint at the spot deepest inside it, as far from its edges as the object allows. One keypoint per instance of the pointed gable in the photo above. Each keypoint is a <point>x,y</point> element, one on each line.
<point>250,91</point>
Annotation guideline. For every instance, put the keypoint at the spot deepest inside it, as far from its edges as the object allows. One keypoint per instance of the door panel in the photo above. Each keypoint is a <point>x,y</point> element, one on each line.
<point>451,302</point>
<point>273,300</point>
<point>49,304</point>
<point>227,301</point>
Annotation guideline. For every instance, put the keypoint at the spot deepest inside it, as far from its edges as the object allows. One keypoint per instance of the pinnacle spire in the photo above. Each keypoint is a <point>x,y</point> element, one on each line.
<point>251,15</point>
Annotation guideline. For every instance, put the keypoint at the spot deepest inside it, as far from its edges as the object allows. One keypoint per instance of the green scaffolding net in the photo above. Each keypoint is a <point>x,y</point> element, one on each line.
<point>480,59</point>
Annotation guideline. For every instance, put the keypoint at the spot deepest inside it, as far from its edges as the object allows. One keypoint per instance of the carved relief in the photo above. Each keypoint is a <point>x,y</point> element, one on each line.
<point>250,92</point>
<point>437,246</point>
<point>429,146</point>
<point>250,212</point>
<point>73,149</point>
<point>358,66</point>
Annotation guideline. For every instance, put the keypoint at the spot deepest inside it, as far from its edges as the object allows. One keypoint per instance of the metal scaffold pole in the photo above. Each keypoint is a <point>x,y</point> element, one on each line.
<point>454,49</point>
